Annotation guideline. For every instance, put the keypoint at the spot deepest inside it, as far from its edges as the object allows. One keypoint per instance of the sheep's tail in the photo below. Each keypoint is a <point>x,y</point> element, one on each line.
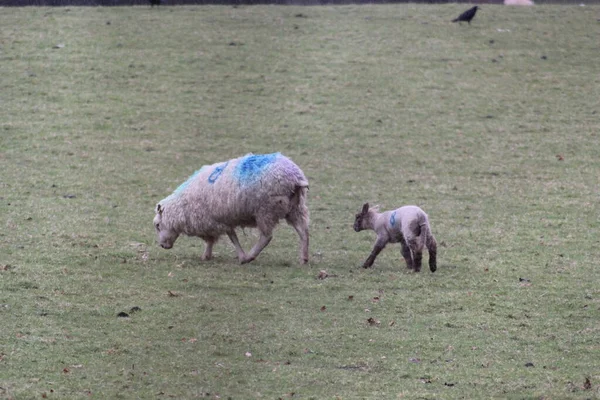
<point>298,210</point>
<point>431,245</point>
<point>299,196</point>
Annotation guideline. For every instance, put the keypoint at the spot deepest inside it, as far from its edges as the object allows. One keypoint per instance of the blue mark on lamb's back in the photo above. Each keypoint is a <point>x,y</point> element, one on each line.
<point>393,219</point>
<point>251,167</point>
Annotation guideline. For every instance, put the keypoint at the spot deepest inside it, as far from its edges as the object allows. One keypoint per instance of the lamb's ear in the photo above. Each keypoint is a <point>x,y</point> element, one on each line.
<point>365,208</point>
<point>159,209</point>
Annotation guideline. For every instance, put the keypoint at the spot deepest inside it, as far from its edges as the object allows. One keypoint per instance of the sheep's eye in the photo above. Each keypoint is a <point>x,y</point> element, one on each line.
<point>157,226</point>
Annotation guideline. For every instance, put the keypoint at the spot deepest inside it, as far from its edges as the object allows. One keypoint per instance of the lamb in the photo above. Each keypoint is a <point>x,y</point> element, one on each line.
<point>408,225</point>
<point>250,191</point>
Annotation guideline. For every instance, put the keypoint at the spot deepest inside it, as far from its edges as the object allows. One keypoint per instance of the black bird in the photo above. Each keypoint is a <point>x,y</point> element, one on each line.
<point>467,15</point>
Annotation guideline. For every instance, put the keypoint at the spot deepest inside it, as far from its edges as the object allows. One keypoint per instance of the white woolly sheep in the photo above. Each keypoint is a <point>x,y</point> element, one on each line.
<point>518,2</point>
<point>249,191</point>
<point>408,225</point>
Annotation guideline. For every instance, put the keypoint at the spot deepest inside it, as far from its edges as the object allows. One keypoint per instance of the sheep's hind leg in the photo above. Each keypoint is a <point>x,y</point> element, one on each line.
<point>265,227</point>
<point>263,241</point>
<point>238,248</point>
<point>301,227</point>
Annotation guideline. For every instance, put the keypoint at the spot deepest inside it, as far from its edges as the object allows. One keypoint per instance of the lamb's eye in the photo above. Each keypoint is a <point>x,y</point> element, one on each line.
<point>157,226</point>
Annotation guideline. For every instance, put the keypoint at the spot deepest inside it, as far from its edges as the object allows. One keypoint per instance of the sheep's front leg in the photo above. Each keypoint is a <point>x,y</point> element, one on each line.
<point>208,249</point>
<point>379,245</point>
<point>236,243</point>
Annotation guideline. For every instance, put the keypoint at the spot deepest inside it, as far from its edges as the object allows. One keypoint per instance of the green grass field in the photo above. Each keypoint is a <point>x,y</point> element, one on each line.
<point>492,128</point>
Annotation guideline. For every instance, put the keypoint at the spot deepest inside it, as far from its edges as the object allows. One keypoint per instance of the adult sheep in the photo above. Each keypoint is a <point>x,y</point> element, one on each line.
<point>250,191</point>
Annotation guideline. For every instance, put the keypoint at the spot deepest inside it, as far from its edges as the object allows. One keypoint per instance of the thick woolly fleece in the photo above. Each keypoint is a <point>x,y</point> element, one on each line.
<point>249,191</point>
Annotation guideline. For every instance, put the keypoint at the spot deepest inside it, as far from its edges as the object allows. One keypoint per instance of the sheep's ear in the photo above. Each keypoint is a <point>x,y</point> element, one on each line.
<point>159,209</point>
<point>365,208</point>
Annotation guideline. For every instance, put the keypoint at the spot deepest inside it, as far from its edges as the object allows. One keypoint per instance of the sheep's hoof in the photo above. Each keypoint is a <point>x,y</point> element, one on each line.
<point>246,260</point>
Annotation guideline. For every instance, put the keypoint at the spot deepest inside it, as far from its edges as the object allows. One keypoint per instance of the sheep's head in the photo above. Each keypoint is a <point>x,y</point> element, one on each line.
<point>361,218</point>
<point>166,236</point>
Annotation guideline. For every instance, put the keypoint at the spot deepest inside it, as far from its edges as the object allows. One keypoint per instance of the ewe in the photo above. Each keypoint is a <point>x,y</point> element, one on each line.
<point>250,191</point>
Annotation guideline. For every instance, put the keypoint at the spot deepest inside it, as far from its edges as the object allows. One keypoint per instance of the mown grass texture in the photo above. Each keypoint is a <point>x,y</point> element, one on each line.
<point>491,128</point>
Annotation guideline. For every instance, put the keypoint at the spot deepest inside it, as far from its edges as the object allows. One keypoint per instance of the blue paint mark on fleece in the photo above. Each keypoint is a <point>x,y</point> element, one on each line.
<point>393,219</point>
<point>217,172</point>
<point>184,185</point>
<point>251,167</point>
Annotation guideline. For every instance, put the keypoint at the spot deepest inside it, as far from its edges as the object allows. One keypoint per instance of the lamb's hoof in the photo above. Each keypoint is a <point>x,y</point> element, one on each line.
<point>304,261</point>
<point>433,268</point>
<point>205,258</point>
<point>365,266</point>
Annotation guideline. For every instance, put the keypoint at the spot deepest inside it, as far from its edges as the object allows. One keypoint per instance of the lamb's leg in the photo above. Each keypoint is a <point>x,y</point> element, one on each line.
<point>208,250</point>
<point>417,254</point>
<point>407,255</point>
<point>236,243</point>
<point>418,259</point>
<point>432,248</point>
<point>379,245</point>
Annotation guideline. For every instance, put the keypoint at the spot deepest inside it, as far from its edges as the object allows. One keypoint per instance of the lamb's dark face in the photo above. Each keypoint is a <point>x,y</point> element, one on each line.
<point>359,219</point>
<point>166,237</point>
<point>358,222</point>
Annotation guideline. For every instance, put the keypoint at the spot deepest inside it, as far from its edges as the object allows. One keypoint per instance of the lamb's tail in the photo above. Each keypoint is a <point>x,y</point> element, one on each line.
<point>431,245</point>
